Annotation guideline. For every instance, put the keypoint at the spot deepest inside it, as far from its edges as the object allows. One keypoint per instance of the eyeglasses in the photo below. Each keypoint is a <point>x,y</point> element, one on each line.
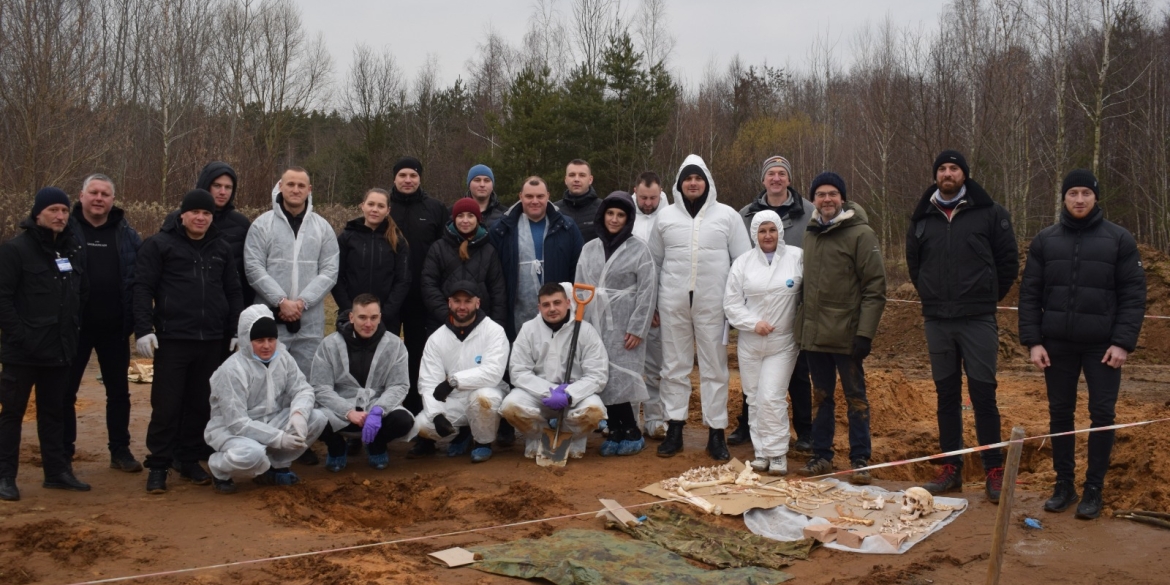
<point>827,193</point>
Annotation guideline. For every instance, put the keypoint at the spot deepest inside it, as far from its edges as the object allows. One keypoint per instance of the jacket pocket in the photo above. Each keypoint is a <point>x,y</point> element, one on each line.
<point>977,281</point>
<point>40,337</point>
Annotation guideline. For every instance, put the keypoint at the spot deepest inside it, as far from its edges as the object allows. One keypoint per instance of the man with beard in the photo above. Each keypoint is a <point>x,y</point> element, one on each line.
<point>650,199</point>
<point>461,378</point>
<point>580,201</point>
<point>962,257</point>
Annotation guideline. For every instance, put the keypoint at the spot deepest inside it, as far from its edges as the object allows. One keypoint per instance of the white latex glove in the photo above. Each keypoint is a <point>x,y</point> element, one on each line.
<point>146,345</point>
<point>298,426</point>
<point>234,344</point>
<point>289,442</point>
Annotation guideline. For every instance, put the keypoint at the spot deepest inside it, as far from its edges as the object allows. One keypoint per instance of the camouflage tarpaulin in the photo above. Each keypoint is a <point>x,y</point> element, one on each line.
<point>714,545</point>
<point>590,557</point>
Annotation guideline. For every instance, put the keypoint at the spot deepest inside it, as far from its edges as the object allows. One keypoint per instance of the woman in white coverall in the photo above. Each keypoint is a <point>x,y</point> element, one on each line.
<point>763,291</point>
<point>621,268</point>
<point>694,243</point>
<point>262,415</point>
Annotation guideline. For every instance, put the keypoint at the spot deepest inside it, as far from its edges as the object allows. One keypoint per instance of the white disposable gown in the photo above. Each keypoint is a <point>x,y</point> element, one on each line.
<point>251,404</point>
<point>280,265</point>
<point>538,364</point>
<point>477,365</point>
<point>627,288</point>
<point>694,255</point>
<point>654,417</point>
<point>338,392</point>
<point>759,290</point>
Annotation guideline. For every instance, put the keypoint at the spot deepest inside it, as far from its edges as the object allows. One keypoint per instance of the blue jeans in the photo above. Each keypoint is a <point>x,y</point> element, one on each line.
<point>824,367</point>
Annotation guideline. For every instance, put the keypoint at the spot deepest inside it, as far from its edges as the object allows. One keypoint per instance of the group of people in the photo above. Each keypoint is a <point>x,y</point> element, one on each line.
<point>454,325</point>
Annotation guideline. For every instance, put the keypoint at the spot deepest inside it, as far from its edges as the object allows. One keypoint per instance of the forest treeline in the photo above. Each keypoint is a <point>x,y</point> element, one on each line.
<point>147,91</point>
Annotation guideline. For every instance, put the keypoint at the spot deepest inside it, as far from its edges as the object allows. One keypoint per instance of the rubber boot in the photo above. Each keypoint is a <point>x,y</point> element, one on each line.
<point>717,445</point>
<point>673,443</point>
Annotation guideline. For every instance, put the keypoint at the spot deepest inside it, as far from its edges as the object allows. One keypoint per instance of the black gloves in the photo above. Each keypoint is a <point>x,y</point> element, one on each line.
<point>443,390</point>
<point>443,426</point>
<point>861,347</point>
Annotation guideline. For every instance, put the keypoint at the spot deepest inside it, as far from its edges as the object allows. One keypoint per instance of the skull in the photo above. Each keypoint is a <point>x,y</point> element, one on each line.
<point>916,503</point>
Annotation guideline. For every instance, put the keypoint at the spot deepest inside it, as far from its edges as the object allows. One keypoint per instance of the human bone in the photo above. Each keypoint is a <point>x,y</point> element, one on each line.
<point>917,502</point>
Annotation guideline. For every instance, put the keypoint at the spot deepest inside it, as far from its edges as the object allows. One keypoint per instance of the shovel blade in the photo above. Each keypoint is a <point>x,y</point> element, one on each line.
<point>554,449</point>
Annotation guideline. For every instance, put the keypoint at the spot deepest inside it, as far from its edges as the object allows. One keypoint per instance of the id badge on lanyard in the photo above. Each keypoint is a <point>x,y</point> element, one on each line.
<point>63,265</point>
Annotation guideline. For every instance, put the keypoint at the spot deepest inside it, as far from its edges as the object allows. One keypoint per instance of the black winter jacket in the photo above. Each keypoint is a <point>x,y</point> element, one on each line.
<point>40,306</point>
<point>582,209</point>
<point>128,242</point>
<point>185,289</point>
<point>422,219</point>
<point>1083,285</point>
<point>443,266</point>
<point>232,224</point>
<point>367,264</point>
<point>494,212</point>
<point>962,266</point>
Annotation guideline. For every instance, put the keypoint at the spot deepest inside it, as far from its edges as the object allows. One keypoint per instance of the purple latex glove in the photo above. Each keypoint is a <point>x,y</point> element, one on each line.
<point>372,425</point>
<point>558,399</point>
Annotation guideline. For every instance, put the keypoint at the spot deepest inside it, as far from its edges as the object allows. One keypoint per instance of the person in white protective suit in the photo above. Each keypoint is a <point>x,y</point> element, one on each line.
<point>291,259</point>
<point>623,272</point>
<point>262,409</point>
<point>650,200</point>
<point>763,292</point>
<point>461,378</point>
<point>537,367</point>
<point>694,243</point>
<point>361,376</point>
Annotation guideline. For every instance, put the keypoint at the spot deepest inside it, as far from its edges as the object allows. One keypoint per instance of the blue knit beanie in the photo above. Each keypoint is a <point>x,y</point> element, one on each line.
<point>478,171</point>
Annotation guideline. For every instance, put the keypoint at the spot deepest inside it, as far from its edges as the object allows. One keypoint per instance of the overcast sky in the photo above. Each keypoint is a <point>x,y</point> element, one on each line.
<point>778,32</point>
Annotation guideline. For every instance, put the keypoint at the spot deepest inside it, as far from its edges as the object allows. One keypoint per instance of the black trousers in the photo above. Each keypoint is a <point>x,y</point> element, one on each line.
<point>180,400</point>
<point>113,353</point>
<point>1104,382</point>
<point>16,384</point>
<point>799,396</point>
<point>416,328</point>
<point>394,424</point>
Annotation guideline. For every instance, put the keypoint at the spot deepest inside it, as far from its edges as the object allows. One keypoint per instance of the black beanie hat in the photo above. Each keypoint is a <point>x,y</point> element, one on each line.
<point>408,162</point>
<point>1079,178</point>
<point>263,328</point>
<point>828,178</point>
<point>952,156</point>
<point>197,199</point>
<point>48,196</point>
<point>692,170</point>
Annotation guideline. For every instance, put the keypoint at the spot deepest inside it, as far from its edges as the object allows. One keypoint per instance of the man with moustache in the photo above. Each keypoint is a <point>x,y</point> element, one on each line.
<point>650,199</point>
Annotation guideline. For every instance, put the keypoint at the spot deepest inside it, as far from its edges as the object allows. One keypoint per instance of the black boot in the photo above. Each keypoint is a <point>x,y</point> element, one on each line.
<point>422,448</point>
<point>506,435</point>
<point>717,445</point>
<point>65,481</point>
<point>673,443</point>
<point>8,491</point>
<point>156,481</point>
<point>743,431</point>
<point>1090,506</point>
<point>1063,496</point>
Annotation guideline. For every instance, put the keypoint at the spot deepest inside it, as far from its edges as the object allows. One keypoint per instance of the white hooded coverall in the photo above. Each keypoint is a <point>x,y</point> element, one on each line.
<point>654,417</point>
<point>251,404</point>
<point>338,392</point>
<point>627,288</point>
<point>694,255</point>
<point>280,265</point>
<point>761,291</point>
<point>477,365</point>
<point>538,364</point>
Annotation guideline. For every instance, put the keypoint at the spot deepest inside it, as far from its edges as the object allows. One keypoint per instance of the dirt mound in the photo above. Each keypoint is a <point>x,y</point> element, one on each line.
<point>74,544</point>
<point>522,501</point>
<point>349,503</point>
<point>14,573</point>
<point>315,570</point>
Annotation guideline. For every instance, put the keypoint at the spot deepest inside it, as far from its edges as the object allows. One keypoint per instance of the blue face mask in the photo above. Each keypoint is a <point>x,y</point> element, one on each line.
<point>267,361</point>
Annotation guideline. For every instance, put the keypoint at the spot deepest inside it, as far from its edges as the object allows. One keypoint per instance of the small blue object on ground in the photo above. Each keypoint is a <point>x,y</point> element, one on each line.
<point>1032,523</point>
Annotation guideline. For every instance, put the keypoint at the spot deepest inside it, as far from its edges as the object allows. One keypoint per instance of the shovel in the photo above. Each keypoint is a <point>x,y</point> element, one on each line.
<point>554,449</point>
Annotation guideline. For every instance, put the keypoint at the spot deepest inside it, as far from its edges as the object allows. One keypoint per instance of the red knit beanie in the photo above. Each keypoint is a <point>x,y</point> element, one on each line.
<point>467,205</point>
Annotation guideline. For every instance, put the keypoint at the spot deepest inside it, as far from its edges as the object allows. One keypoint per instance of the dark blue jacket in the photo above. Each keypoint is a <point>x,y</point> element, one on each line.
<point>562,247</point>
<point>128,242</point>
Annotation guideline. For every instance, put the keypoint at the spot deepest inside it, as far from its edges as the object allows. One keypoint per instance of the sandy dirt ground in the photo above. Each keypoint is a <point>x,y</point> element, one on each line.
<point>118,530</point>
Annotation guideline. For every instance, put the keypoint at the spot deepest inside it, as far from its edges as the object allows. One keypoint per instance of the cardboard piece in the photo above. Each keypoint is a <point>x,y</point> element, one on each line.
<point>616,513</point>
<point>896,538</point>
<point>850,538</point>
<point>824,533</point>
<point>731,504</point>
<point>454,557</point>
